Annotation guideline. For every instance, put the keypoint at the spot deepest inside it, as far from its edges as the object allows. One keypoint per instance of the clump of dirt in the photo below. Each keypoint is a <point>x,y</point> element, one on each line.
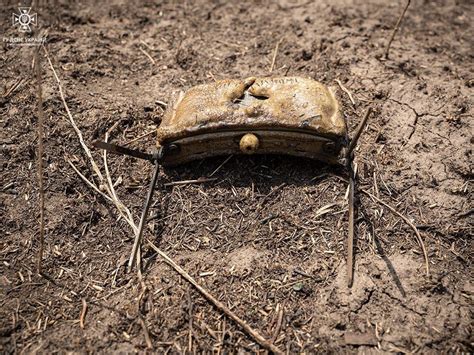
<point>252,237</point>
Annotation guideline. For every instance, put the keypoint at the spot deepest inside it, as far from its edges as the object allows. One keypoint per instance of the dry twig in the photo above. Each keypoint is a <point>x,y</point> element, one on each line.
<point>143,220</point>
<point>407,221</point>
<point>276,332</point>
<point>350,238</point>
<point>148,56</point>
<point>111,196</point>
<point>395,30</point>
<point>149,344</point>
<point>140,137</point>
<point>343,88</point>
<point>275,52</point>
<point>212,76</point>
<point>123,210</point>
<point>358,132</point>
<point>71,119</point>
<point>83,313</point>
<point>249,330</point>
<point>15,86</point>
<point>221,165</point>
<point>351,191</point>
<point>87,181</point>
<point>186,182</point>
<point>190,322</point>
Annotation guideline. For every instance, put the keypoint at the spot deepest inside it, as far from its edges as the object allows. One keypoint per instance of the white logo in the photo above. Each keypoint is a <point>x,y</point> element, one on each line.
<point>24,19</point>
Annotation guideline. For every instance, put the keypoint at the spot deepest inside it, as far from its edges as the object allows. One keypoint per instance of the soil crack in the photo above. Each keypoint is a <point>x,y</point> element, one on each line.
<point>417,115</point>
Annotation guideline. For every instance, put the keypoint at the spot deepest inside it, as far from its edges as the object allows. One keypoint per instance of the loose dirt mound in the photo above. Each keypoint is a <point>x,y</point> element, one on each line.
<point>252,237</point>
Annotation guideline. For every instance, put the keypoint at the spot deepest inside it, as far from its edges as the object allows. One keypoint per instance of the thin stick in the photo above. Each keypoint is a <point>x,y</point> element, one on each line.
<point>352,177</point>
<point>407,221</point>
<point>359,130</point>
<point>15,86</point>
<point>213,78</point>
<point>250,331</point>
<point>185,182</point>
<point>83,313</point>
<point>138,237</point>
<point>123,210</point>
<point>343,88</point>
<point>395,30</point>
<point>275,52</point>
<point>190,322</point>
<point>120,207</point>
<point>71,119</point>
<point>278,325</point>
<point>149,344</point>
<point>221,165</point>
<point>147,45</point>
<point>106,167</point>
<point>148,56</point>
<point>350,237</point>
<point>88,182</point>
<point>40,159</point>
<point>140,137</point>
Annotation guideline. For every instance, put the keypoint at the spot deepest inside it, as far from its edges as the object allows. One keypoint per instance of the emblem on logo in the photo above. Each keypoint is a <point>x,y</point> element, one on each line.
<point>24,19</point>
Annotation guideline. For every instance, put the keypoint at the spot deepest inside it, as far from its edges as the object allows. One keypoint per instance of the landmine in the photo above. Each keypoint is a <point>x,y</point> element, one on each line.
<point>289,115</point>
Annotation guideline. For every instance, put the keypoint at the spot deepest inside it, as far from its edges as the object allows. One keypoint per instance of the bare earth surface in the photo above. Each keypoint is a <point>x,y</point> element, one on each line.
<point>267,238</point>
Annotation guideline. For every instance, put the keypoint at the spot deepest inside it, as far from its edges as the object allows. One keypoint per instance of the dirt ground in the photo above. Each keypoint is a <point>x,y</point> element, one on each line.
<point>268,236</point>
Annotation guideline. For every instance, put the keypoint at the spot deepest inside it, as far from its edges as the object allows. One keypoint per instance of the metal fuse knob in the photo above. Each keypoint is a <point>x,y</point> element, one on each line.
<point>249,143</point>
